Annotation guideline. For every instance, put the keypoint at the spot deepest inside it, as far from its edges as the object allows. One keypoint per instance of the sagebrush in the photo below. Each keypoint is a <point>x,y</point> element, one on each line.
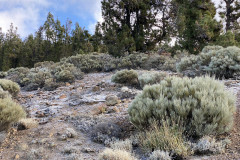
<point>202,104</point>
<point>10,112</point>
<point>10,86</point>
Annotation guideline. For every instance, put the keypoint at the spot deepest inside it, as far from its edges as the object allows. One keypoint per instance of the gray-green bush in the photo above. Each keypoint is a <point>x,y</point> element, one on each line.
<point>202,105</point>
<point>166,138</point>
<point>17,74</point>
<point>214,60</point>
<point>129,77</point>
<point>150,78</point>
<point>9,112</point>
<point>10,86</point>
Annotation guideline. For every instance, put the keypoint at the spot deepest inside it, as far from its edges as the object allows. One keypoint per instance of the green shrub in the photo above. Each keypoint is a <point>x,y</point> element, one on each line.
<point>154,61</point>
<point>201,104</point>
<point>129,77</point>
<point>64,76</point>
<point>110,154</point>
<point>122,145</point>
<point>17,74</point>
<point>87,63</point>
<point>170,64</point>
<point>10,86</point>
<point>208,145</point>
<point>132,61</point>
<point>215,60</point>
<point>3,74</point>
<point>187,63</point>
<point>66,72</point>
<point>50,84</point>
<point>211,48</point>
<point>150,78</point>
<point>225,63</point>
<point>4,94</point>
<point>9,112</point>
<point>38,77</point>
<point>45,64</point>
<point>165,138</point>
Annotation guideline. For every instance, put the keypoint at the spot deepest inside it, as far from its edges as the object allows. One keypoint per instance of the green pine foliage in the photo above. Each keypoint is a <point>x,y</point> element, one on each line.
<point>202,105</point>
<point>196,24</point>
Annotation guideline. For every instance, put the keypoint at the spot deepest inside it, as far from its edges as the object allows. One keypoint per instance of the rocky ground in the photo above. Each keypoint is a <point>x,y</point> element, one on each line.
<point>69,116</point>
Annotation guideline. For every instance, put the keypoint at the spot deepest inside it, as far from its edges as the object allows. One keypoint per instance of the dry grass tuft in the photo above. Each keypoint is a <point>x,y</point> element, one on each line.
<point>110,154</point>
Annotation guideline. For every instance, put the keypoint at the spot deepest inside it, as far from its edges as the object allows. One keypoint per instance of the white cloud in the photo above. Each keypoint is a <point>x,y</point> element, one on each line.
<point>28,15</point>
<point>25,14</point>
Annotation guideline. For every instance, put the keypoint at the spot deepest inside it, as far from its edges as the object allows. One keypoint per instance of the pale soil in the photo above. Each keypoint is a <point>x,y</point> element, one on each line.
<point>77,106</point>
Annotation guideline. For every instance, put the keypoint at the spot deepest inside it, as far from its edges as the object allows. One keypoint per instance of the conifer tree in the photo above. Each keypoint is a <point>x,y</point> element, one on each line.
<point>196,24</point>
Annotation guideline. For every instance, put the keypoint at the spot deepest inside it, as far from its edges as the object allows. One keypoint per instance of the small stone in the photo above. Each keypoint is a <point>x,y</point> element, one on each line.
<point>51,145</point>
<point>71,133</point>
<point>111,100</point>
<point>34,142</point>
<point>63,137</point>
<point>87,150</point>
<point>96,88</point>
<point>63,96</point>
<point>124,89</point>
<point>116,109</point>
<point>17,156</point>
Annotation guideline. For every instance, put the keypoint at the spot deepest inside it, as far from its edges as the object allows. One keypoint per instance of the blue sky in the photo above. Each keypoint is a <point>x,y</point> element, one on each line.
<point>28,15</point>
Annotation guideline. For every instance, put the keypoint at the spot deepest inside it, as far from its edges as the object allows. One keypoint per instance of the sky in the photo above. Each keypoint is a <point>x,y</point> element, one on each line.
<point>29,15</point>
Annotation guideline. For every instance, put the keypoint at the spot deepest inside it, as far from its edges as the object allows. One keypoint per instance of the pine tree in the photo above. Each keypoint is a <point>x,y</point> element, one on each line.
<point>134,25</point>
<point>196,24</point>
<point>229,12</point>
<point>11,49</point>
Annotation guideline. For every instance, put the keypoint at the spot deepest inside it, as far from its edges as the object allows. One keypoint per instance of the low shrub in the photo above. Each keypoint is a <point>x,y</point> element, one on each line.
<point>17,74</point>
<point>66,72</point>
<point>103,132</point>
<point>170,65</point>
<point>207,49</point>
<point>10,86</point>
<point>132,61</point>
<point>202,104</point>
<point>208,145</point>
<point>159,155</point>
<point>3,74</point>
<point>110,154</point>
<point>87,63</point>
<point>188,63</point>
<point>50,84</point>
<point>150,78</point>
<point>129,77</point>
<point>27,123</point>
<point>45,64</point>
<point>9,112</point>
<point>154,61</point>
<point>122,145</point>
<point>215,60</point>
<point>165,138</point>
<point>36,79</point>
<point>4,94</point>
<point>64,76</point>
